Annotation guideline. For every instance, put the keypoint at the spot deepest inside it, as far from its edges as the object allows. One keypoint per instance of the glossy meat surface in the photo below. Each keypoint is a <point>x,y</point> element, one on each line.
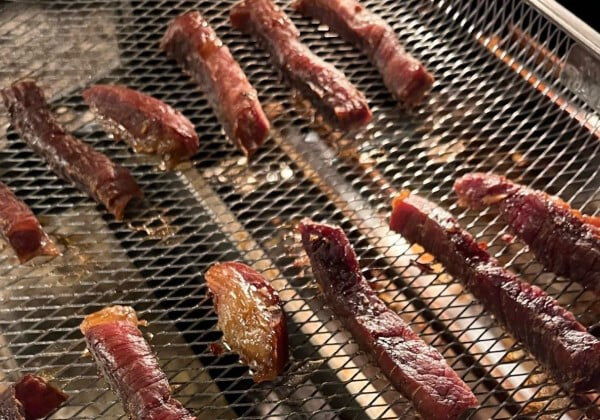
<point>550,332</point>
<point>404,76</point>
<point>150,126</point>
<point>330,92</point>
<point>564,240</point>
<point>251,318</point>
<point>195,46</point>
<point>71,158</point>
<point>30,398</point>
<point>22,230</point>
<point>130,367</point>
<point>416,369</point>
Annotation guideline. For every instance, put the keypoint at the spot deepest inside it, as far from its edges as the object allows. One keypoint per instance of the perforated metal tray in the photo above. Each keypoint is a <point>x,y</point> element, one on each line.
<point>498,105</point>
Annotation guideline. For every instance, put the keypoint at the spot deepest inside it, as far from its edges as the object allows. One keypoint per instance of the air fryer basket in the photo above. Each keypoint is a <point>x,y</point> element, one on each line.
<point>503,101</point>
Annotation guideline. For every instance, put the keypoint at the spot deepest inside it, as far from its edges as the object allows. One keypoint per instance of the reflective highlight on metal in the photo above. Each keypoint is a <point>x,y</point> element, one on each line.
<point>498,105</point>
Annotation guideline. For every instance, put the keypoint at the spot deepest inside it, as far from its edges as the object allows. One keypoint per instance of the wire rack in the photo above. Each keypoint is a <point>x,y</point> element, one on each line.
<point>498,105</point>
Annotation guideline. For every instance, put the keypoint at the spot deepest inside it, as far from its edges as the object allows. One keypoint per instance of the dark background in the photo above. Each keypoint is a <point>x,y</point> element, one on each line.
<point>585,10</point>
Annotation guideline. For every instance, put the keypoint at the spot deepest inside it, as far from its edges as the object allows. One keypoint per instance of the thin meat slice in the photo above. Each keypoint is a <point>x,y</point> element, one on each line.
<point>130,367</point>
<point>22,230</point>
<point>416,369</point>
<point>404,76</point>
<point>71,158</point>
<point>150,126</point>
<point>564,240</point>
<point>340,102</point>
<point>550,332</point>
<point>30,398</point>
<point>195,46</point>
<point>251,318</point>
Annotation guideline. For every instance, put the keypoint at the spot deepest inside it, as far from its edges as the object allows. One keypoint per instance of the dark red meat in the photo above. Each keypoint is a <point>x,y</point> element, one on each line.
<point>21,228</point>
<point>342,104</point>
<point>195,46</point>
<point>251,317</point>
<point>39,398</point>
<point>30,398</point>
<point>147,124</point>
<point>71,158</point>
<point>550,332</point>
<point>405,77</point>
<point>416,369</point>
<point>564,240</point>
<point>129,365</point>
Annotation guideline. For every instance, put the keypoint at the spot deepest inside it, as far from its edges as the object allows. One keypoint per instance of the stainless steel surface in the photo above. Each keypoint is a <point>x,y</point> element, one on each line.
<point>581,73</point>
<point>498,105</point>
<point>571,24</point>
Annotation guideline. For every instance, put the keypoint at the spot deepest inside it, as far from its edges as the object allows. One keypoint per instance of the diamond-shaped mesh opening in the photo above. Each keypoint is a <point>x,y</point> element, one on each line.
<point>497,105</point>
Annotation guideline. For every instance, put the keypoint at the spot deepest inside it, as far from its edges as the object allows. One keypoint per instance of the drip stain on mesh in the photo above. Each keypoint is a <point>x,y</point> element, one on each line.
<point>482,115</point>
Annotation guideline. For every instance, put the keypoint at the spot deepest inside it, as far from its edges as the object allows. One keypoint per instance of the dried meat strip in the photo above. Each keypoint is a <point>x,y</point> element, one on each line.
<point>340,102</point>
<point>416,369</point>
<point>195,46</point>
<point>129,365</point>
<point>550,332</point>
<point>564,240</point>
<point>71,158</point>
<point>404,76</point>
<point>150,126</point>
<point>30,398</point>
<point>251,317</point>
<point>22,230</point>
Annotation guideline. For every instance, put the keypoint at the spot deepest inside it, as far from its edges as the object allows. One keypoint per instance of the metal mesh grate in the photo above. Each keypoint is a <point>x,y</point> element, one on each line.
<point>498,104</point>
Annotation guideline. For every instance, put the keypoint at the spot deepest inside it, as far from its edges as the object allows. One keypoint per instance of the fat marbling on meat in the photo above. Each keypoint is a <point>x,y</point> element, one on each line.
<point>416,369</point>
<point>72,159</point>
<point>564,240</point>
<point>550,332</point>
<point>128,364</point>
<point>149,125</point>
<point>195,46</point>
<point>405,77</point>
<point>330,92</point>
<point>22,230</point>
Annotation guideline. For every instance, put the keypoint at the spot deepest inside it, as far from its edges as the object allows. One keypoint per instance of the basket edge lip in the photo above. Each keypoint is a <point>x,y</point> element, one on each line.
<point>576,28</point>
